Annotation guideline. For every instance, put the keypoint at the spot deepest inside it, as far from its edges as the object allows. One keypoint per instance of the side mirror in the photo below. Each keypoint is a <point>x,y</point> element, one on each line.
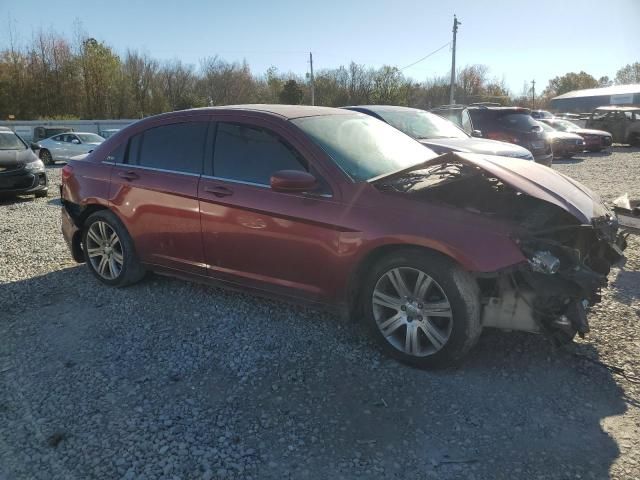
<point>292,181</point>
<point>476,133</point>
<point>75,141</point>
<point>34,146</point>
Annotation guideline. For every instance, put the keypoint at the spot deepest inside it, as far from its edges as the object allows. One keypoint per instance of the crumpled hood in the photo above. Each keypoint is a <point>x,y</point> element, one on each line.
<point>529,178</point>
<point>476,145</point>
<point>9,158</point>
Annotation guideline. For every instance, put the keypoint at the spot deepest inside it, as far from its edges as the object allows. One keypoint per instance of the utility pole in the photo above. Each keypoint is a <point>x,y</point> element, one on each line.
<point>453,61</point>
<point>533,94</point>
<point>313,87</point>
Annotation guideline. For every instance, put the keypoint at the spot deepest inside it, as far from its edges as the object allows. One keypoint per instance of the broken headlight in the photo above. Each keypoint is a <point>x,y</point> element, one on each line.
<point>543,261</point>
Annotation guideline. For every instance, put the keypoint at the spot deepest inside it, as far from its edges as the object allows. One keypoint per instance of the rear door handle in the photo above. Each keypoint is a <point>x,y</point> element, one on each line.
<point>219,191</point>
<point>128,175</point>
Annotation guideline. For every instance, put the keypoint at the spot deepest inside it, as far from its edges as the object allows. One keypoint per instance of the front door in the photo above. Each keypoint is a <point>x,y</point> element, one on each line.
<point>259,237</point>
<point>154,187</point>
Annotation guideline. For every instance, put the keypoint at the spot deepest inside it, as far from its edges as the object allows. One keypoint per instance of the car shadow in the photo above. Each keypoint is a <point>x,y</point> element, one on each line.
<point>57,165</point>
<point>570,161</point>
<point>13,199</point>
<point>603,154</point>
<point>625,286</point>
<point>90,361</point>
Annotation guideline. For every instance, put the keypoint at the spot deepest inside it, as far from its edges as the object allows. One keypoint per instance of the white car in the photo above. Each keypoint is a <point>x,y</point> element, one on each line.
<point>67,145</point>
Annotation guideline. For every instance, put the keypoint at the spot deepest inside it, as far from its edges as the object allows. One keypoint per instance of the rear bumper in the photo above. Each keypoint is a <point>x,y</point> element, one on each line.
<point>23,181</point>
<point>72,236</point>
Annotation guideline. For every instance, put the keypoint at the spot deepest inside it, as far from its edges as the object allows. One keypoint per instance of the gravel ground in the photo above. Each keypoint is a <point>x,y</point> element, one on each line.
<point>168,379</point>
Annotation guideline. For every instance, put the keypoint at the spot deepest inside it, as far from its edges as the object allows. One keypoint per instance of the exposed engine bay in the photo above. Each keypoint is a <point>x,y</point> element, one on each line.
<point>569,258</point>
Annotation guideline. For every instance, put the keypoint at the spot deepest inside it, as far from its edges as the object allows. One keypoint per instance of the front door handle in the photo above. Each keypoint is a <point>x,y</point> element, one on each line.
<point>128,175</point>
<point>219,191</point>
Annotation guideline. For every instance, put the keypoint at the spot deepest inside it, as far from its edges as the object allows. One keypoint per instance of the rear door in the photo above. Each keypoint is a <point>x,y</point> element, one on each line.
<point>154,189</point>
<point>259,237</point>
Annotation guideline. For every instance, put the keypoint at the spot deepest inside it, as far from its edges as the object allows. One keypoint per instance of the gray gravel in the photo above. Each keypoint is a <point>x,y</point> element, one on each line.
<point>169,379</point>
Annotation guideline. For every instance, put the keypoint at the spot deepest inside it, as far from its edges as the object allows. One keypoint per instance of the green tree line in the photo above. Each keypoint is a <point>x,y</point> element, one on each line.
<point>54,77</point>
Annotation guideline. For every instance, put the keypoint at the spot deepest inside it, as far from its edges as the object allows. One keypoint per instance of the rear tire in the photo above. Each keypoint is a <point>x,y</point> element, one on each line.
<point>438,320</point>
<point>45,156</point>
<point>109,250</point>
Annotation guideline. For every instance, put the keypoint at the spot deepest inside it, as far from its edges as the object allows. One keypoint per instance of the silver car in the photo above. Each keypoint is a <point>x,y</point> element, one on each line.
<point>67,145</point>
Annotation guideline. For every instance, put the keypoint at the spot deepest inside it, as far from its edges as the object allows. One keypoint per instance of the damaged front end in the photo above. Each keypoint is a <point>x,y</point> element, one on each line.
<point>568,236</point>
<point>567,267</point>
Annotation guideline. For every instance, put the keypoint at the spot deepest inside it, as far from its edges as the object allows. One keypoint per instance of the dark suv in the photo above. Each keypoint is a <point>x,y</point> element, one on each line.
<point>507,124</point>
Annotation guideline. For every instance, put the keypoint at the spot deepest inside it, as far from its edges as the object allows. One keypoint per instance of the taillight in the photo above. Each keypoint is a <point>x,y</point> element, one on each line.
<point>67,172</point>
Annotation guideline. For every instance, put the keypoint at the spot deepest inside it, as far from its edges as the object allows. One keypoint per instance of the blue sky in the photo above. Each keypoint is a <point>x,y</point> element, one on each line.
<point>518,40</point>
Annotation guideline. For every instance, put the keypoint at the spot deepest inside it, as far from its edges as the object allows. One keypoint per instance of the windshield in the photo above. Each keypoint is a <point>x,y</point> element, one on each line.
<point>89,138</point>
<point>10,141</point>
<point>565,125</point>
<point>546,128</point>
<point>518,121</point>
<point>362,146</point>
<point>420,125</point>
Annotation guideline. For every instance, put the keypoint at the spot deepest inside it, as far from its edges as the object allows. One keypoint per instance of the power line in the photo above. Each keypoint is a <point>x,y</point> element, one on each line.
<point>426,56</point>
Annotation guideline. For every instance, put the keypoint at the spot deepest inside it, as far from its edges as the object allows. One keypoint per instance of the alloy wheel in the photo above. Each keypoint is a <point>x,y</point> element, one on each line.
<point>104,250</point>
<point>412,311</point>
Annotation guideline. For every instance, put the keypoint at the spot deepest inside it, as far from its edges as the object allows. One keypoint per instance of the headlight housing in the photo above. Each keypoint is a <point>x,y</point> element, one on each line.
<point>34,166</point>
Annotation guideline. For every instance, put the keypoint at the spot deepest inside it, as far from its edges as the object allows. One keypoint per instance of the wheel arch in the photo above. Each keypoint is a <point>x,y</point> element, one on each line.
<point>354,288</point>
<point>79,219</point>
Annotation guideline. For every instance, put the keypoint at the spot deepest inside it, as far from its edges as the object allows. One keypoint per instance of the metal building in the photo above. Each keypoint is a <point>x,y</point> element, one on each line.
<point>581,101</point>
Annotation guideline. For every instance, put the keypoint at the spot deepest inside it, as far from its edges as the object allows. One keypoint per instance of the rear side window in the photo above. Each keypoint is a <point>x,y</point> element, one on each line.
<point>252,154</point>
<point>177,146</point>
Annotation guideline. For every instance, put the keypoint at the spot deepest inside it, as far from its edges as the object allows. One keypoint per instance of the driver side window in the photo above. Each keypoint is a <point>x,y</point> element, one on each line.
<point>252,154</point>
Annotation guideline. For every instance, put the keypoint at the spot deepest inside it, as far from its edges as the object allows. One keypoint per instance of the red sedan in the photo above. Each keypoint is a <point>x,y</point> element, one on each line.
<point>339,209</point>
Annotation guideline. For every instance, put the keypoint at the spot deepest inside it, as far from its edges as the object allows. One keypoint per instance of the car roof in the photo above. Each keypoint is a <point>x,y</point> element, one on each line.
<point>284,111</point>
<point>500,109</point>
<point>385,108</point>
<point>5,129</point>
<point>619,108</point>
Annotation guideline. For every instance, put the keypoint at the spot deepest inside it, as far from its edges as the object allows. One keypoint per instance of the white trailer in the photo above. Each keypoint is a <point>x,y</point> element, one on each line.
<point>36,130</point>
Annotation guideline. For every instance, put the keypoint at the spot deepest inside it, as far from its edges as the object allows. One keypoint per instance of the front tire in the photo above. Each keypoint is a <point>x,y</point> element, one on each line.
<point>422,308</point>
<point>46,157</point>
<point>109,250</point>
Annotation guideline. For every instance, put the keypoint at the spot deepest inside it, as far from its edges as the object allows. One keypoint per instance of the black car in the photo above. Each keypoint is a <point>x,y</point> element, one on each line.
<point>21,171</point>
<point>437,133</point>
<point>506,124</point>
